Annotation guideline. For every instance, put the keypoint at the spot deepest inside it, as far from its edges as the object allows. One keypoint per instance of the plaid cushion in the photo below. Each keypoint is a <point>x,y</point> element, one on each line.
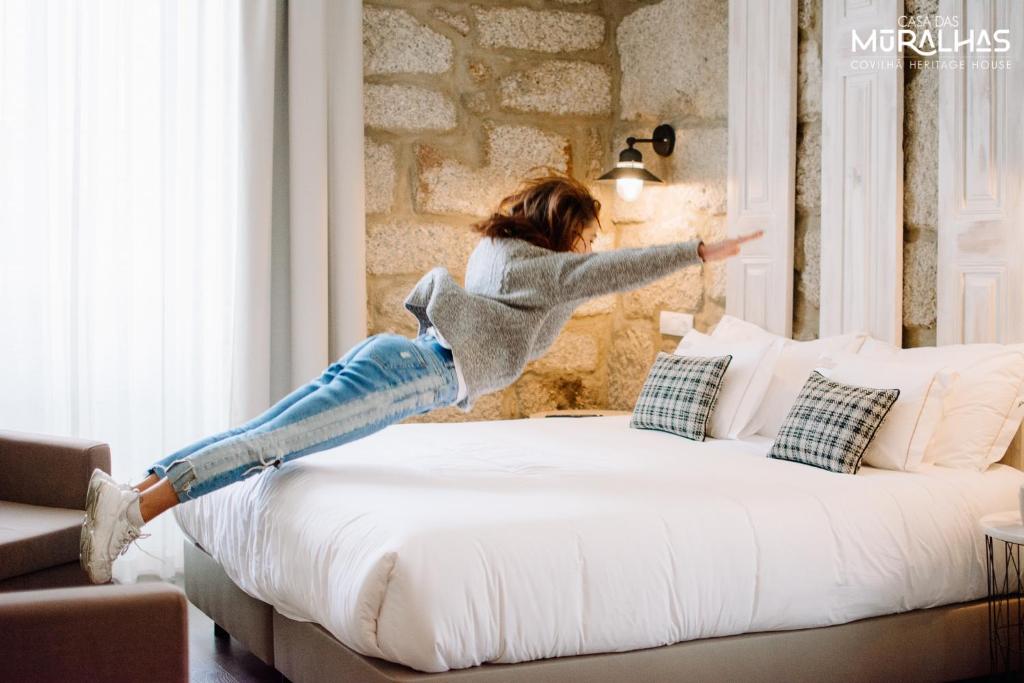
<point>831,424</point>
<point>679,394</point>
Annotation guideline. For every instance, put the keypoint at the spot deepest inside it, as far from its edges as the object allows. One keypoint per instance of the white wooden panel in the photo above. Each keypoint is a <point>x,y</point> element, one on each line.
<point>757,278</point>
<point>861,175</point>
<point>983,305</point>
<point>980,289</point>
<point>762,158</point>
<point>980,285</point>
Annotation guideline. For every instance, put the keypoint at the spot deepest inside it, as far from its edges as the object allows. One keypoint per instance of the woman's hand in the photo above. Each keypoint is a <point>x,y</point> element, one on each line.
<point>723,249</point>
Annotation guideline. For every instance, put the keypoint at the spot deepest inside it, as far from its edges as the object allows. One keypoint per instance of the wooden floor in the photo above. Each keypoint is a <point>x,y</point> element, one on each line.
<point>218,660</point>
<point>221,660</point>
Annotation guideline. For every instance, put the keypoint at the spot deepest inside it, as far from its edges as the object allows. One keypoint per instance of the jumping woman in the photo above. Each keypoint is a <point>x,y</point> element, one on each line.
<point>531,268</point>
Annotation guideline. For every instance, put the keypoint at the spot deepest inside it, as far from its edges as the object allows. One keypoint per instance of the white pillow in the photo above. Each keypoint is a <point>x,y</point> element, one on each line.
<point>731,328</point>
<point>793,367</point>
<point>745,381</point>
<point>901,439</point>
<point>984,405</point>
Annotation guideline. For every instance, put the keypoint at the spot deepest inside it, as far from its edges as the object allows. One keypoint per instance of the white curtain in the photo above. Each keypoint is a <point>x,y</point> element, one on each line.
<point>148,278</point>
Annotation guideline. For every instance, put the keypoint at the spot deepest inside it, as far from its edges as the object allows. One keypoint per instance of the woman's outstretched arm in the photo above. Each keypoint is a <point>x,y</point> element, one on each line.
<point>569,276</point>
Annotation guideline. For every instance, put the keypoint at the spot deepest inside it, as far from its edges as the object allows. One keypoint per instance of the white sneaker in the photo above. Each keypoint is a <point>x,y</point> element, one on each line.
<point>106,530</point>
<point>98,477</point>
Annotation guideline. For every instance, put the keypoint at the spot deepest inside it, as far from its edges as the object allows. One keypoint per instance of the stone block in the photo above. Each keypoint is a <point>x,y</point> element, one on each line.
<point>707,317</point>
<point>407,107</point>
<point>715,280</point>
<point>921,147</point>
<point>535,393</point>
<point>808,12</point>
<point>538,30</point>
<point>805,318</point>
<point>633,350</point>
<point>591,156</point>
<point>919,277</point>
<point>602,305</point>
<point>808,240</point>
<point>449,186</point>
<point>808,87</point>
<point>379,165</point>
<point>681,291</point>
<point>402,246</point>
<point>459,22</point>
<point>395,42</point>
<point>560,88</point>
<point>571,352</point>
<point>386,310</point>
<point>921,7</point>
<point>714,228</point>
<point>605,239</point>
<point>699,169</point>
<point>674,59</point>
<point>663,231</point>
<point>807,281</point>
<point>918,336</point>
<point>808,166</point>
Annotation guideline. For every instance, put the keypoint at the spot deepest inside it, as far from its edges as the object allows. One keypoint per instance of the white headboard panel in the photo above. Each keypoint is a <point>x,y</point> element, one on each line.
<point>762,160</point>
<point>980,288</point>
<point>861,176</point>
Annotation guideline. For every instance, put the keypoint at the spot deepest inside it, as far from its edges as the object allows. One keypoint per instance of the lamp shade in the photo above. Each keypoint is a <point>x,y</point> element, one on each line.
<point>629,175</point>
<point>631,166</point>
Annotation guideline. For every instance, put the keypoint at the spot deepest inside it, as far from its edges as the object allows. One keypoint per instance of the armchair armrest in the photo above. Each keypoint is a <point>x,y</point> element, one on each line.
<point>40,469</point>
<point>136,632</point>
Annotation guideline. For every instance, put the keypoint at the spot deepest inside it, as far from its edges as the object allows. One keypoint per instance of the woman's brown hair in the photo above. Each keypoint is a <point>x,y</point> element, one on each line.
<point>550,211</point>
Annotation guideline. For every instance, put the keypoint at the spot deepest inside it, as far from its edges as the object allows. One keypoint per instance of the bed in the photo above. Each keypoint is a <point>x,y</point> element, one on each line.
<point>441,547</point>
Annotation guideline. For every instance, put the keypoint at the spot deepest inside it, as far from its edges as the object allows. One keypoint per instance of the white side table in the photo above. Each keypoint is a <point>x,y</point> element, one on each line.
<point>1004,536</point>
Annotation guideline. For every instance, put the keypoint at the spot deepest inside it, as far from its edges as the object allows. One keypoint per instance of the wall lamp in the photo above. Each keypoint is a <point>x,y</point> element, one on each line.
<point>629,174</point>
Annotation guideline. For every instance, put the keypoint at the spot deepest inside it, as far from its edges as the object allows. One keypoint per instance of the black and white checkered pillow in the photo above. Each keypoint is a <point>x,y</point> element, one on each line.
<point>679,394</point>
<point>831,424</point>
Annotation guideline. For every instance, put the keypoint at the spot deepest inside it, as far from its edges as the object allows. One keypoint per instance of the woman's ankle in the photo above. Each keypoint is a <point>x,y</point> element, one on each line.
<point>157,499</point>
<point>147,483</point>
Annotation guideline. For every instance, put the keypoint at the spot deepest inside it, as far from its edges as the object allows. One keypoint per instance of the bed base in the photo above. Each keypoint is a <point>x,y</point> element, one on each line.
<point>233,611</point>
<point>939,644</point>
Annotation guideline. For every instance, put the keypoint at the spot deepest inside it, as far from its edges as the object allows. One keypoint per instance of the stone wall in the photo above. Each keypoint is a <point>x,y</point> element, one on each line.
<point>807,247</point>
<point>920,193</point>
<point>674,69</point>
<point>920,153</point>
<point>462,99</point>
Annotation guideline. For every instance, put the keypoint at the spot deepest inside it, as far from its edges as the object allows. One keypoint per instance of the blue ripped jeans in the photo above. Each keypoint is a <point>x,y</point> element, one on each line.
<point>380,381</point>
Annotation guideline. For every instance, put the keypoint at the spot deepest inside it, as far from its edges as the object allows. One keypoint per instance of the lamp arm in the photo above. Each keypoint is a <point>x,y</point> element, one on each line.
<point>664,140</point>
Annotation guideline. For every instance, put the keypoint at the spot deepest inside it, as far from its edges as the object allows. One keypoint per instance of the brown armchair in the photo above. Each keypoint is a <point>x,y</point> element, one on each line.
<point>127,633</point>
<point>42,500</point>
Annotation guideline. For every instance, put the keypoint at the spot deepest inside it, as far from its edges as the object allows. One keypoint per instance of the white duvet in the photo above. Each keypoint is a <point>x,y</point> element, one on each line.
<point>442,546</point>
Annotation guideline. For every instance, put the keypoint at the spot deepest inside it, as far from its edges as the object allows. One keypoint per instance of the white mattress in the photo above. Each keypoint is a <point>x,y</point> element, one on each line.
<point>448,545</point>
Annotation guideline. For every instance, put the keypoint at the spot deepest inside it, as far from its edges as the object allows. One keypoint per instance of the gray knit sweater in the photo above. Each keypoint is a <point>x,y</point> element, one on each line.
<point>518,296</point>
